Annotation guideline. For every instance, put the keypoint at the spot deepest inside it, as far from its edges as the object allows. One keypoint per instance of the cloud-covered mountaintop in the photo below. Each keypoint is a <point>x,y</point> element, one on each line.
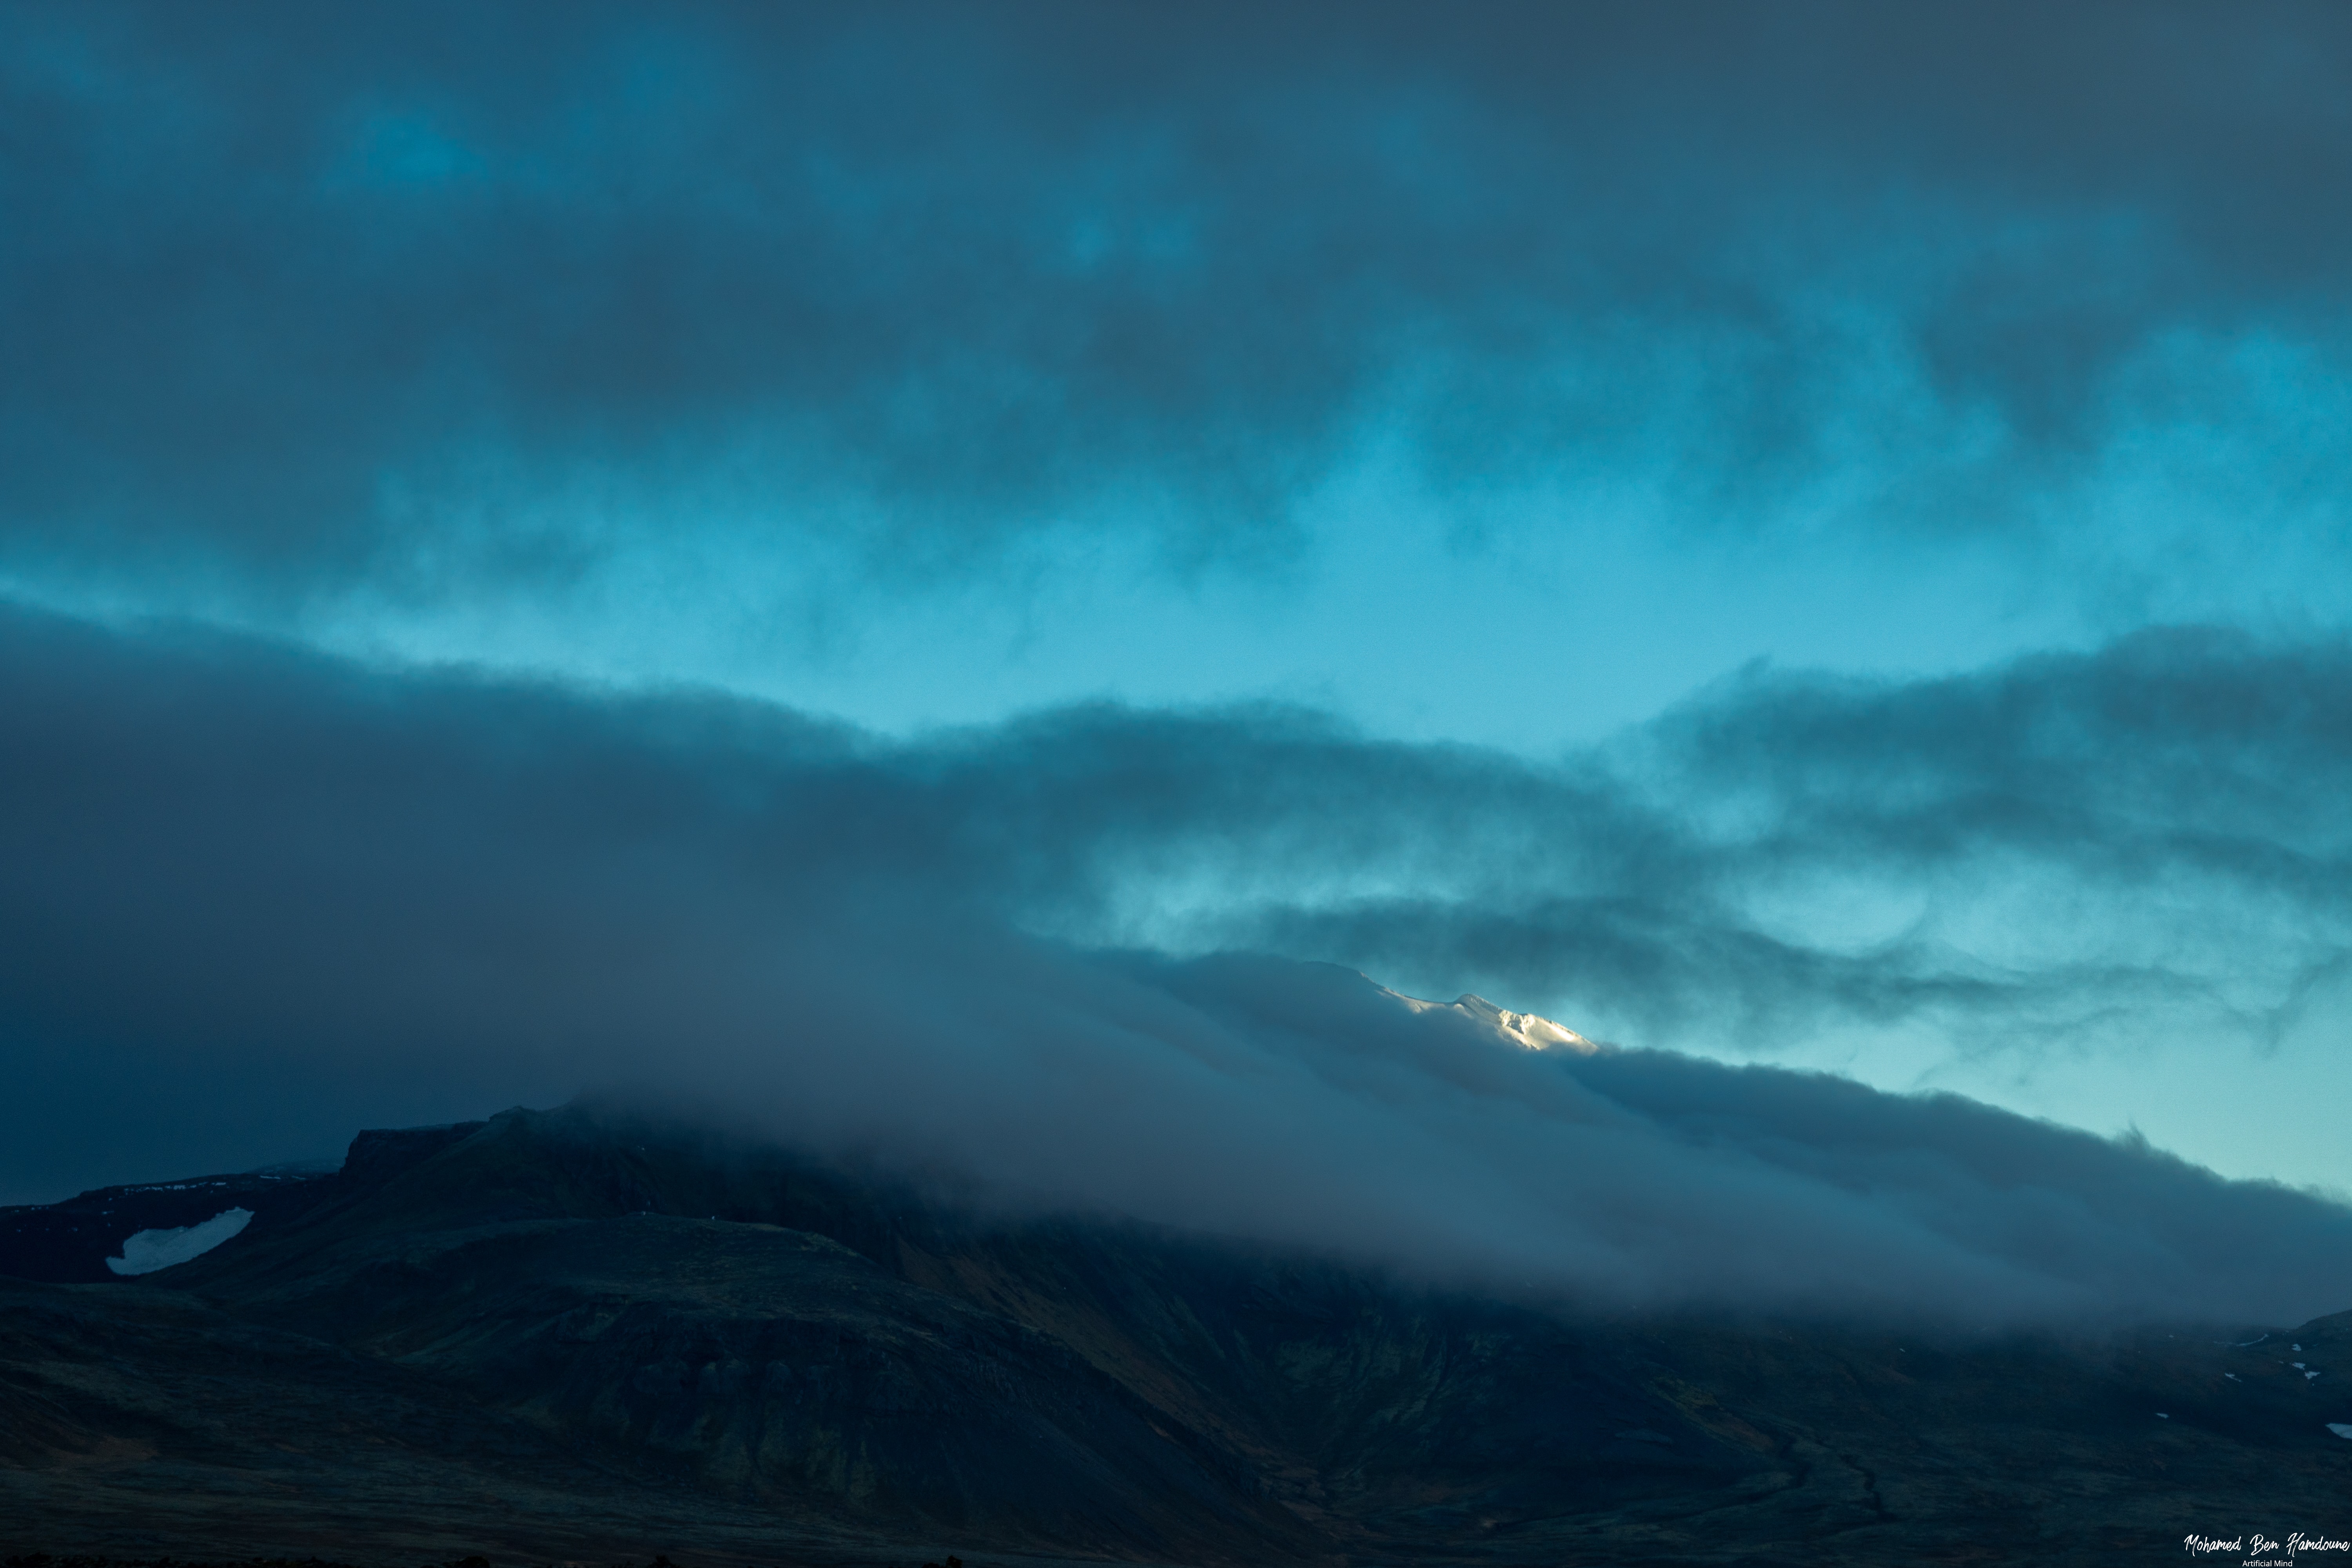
<point>1551,375</point>
<point>247,889</point>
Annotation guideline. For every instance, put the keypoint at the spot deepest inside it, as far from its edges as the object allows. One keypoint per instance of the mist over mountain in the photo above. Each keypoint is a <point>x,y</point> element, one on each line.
<point>335,886</point>
<point>551,1334</point>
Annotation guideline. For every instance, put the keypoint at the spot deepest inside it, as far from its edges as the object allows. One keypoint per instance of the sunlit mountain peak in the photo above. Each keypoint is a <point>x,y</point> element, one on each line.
<point>1528,1029</point>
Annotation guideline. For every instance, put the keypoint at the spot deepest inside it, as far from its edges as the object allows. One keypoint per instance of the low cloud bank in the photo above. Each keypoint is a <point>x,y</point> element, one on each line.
<point>289,895</point>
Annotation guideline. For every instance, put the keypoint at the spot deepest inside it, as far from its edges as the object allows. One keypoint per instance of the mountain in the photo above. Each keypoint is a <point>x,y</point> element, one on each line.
<point>577,1335</point>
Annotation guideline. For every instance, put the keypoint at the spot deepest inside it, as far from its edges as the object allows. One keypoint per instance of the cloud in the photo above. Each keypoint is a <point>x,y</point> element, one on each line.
<point>423,299</point>
<point>250,896</point>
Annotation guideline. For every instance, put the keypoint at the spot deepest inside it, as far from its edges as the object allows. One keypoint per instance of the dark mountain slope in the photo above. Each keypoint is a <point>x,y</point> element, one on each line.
<point>562,1334</point>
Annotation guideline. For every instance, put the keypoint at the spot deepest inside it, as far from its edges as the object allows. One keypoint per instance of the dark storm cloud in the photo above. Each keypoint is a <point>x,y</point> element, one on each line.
<point>434,292</point>
<point>248,896</point>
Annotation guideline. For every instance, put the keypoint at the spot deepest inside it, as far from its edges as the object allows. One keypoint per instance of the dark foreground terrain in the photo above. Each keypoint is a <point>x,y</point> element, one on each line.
<point>553,1337</point>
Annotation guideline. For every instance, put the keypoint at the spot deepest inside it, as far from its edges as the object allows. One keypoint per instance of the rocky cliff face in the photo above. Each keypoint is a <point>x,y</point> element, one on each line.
<point>560,1335</point>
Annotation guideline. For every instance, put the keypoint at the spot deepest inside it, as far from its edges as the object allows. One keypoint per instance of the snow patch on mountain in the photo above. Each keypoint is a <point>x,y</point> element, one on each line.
<point>145,1251</point>
<point>1524,1030</point>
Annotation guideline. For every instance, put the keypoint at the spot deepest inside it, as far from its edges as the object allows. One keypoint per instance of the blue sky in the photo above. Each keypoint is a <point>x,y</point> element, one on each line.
<point>1827,522</point>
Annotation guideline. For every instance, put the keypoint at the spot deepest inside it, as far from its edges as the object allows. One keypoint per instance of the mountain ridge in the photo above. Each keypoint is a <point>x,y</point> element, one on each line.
<point>659,1338</point>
